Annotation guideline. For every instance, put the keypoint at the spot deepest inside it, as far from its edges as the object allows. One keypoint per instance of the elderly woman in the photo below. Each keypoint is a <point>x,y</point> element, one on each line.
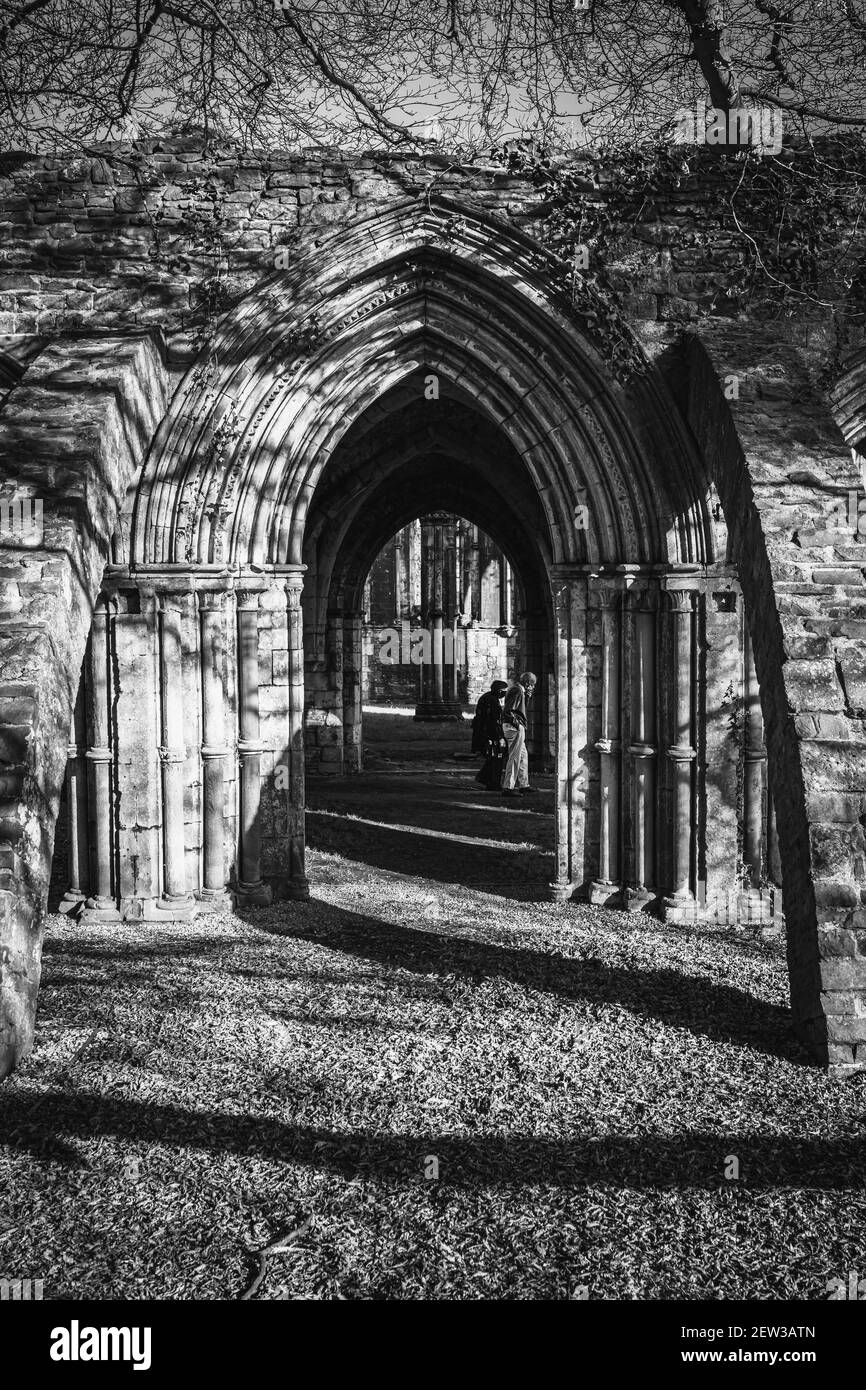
<point>487,735</point>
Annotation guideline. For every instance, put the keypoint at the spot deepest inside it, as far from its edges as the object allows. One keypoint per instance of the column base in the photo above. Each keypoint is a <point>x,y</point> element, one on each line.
<point>252,894</point>
<point>638,899</point>
<point>680,909</point>
<point>562,892</point>
<point>99,910</point>
<point>605,893</point>
<point>71,904</point>
<point>132,910</point>
<point>289,888</point>
<point>213,900</point>
<point>179,909</point>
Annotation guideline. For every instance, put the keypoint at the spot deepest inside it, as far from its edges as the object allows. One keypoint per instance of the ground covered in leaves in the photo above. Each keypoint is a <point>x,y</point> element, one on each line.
<point>579,1080</point>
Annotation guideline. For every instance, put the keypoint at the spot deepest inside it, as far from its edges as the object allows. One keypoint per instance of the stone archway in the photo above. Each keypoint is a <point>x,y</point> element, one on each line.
<point>245,503</point>
<point>309,403</point>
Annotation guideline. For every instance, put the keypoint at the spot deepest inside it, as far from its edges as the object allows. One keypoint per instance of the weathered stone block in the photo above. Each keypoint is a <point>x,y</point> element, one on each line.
<point>842,1029</point>
<point>843,974</point>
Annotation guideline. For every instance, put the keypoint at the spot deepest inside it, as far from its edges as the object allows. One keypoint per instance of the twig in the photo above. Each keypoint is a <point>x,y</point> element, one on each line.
<point>283,1245</point>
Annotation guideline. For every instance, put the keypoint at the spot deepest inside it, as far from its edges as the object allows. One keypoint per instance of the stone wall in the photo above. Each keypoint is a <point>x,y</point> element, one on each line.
<point>73,433</point>
<point>150,234</point>
<point>110,269</point>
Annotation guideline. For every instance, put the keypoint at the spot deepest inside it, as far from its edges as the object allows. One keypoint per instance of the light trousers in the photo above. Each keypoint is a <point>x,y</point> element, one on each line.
<point>516,773</point>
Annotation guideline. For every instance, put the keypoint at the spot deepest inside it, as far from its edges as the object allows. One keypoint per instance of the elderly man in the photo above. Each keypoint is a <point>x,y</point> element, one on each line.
<point>515,778</point>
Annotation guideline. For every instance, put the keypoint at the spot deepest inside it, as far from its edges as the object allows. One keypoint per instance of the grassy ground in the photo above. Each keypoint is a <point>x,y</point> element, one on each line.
<point>582,1080</point>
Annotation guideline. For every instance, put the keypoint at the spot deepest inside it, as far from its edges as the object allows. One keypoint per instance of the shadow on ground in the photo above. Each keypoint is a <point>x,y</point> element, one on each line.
<point>48,1125</point>
<point>437,825</point>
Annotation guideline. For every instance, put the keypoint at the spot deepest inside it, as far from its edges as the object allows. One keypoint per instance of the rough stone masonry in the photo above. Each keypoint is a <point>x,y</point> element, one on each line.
<point>212,371</point>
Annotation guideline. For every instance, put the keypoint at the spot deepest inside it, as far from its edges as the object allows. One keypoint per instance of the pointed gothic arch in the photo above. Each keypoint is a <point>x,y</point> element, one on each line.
<point>195,661</point>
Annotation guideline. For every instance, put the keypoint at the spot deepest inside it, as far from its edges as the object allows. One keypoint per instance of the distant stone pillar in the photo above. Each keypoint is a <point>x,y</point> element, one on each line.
<point>76,806</point>
<point>682,754</point>
<point>353,660</point>
<point>608,884</point>
<point>213,748</point>
<point>755,758</point>
<point>98,757</point>
<point>640,646</point>
<point>474,576</point>
<point>433,705</point>
<point>415,591</point>
<point>172,755</point>
<point>504,618</point>
<point>299,884</point>
<point>570,700</point>
<point>401,575</point>
<point>251,889</point>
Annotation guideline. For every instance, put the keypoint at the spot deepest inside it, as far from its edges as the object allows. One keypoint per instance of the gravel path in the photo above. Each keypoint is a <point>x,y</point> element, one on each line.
<point>579,1080</point>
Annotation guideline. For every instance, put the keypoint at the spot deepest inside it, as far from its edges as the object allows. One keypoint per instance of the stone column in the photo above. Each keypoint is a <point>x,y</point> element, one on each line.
<point>98,756</point>
<point>680,904</point>
<point>436,615</point>
<point>401,575</point>
<point>570,703</point>
<point>774,860</point>
<point>504,618</point>
<point>330,733</point>
<point>474,577</point>
<point>755,757</point>
<point>172,754</point>
<point>434,706</point>
<point>353,657</point>
<point>640,643</point>
<point>415,593</point>
<point>251,889</point>
<point>76,807</point>
<point>299,887</point>
<point>213,748</point>
<point>607,885</point>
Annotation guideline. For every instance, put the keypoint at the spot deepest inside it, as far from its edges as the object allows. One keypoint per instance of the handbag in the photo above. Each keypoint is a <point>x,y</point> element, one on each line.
<point>490,773</point>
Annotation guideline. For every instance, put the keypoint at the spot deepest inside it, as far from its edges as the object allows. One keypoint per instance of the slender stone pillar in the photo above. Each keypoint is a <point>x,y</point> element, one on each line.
<point>353,659</point>
<point>608,885</point>
<point>680,904</point>
<point>755,757</point>
<point>434,706</point>
<point>415,593</point>
<point>251,889</point>
<point>99,755</point>
<point>76,807</point>
<point>401,575</point>
<point>570,701</point>
<point>299,887</point>
<point>172,754</point>
<point>330,734</point>
<point>774,859</point>
<point>213,749</point>
<point>474,577</point>
<point>642,747</point>
<point>503,592</point>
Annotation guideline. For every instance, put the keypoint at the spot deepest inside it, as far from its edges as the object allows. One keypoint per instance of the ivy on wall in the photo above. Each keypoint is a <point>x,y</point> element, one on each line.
<point>786,233</point>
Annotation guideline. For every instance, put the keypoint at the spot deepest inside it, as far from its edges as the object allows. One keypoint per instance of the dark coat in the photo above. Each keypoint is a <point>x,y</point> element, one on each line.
<point>487,724</point>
